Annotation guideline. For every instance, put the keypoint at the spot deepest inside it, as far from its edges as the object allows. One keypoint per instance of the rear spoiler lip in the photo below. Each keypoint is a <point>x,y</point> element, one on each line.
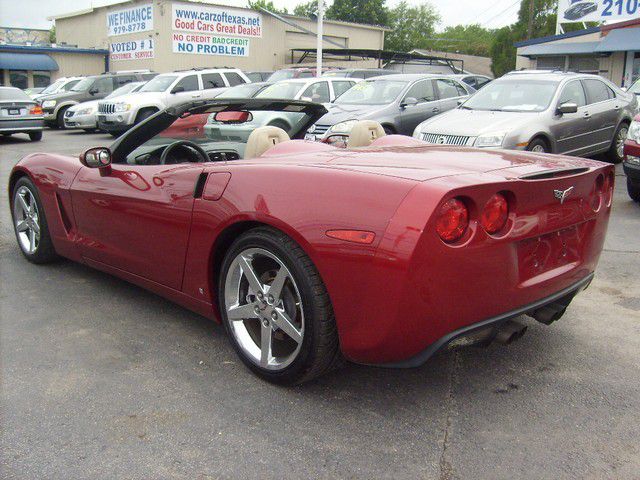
<point>555,173</point>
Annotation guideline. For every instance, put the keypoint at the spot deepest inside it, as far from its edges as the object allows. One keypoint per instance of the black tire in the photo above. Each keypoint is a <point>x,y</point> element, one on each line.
<point>613,155</point>
<point>388,130</point>
<point>44,251</point>
<point>319,351</point>
<point>634,190</point>
<point>90,130</point>
<point>60,118</point>
<point>35,136</point>
<point>539,143</point>
<point>143,115</point>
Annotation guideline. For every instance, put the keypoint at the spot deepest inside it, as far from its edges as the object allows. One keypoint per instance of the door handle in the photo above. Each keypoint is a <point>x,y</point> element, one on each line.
<point>586,115</point>
<point>616,107</point>
<point>435,110</point>
<point>196,95</point>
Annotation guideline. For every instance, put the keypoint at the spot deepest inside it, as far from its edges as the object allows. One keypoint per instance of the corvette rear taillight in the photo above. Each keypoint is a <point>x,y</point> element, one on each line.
<point>608,191</point>
<point>597,193</point>
<point>37,110</point>
<point>452,220</point>
<point>495,214</point>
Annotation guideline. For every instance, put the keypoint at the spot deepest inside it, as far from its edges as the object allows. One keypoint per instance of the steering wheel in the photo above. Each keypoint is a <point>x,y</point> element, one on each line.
<point>193,148</point>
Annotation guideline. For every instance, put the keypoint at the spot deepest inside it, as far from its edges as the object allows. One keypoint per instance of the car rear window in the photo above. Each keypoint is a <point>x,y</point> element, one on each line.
<point>212,80</point>
<point>13,94</point>
<point>234,79</point>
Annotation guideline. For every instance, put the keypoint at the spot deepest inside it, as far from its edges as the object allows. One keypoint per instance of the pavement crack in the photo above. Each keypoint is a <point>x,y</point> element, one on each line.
<point>446,470</point>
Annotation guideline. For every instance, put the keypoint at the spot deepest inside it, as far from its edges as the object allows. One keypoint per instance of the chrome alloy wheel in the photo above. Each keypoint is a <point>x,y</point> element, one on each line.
<point>264,309</point>
<point>620,138</point>
<point>26,219</point>
<point>538,149</point>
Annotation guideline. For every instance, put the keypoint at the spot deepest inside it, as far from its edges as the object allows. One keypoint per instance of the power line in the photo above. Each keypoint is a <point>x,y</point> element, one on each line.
<point>477,17</point>
<point>485,23</point>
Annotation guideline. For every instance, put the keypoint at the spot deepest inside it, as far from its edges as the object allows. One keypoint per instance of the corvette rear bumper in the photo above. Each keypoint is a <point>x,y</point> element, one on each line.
<point>561,298</point>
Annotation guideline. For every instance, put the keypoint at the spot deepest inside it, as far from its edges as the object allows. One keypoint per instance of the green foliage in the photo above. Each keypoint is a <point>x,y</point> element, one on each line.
<point>502,51</point>
<point>266,4</point>
<point>52,34</point>
<point>468,39</point>
<point>371,12</point>
<point>411,26</point>
<point>308,9</point>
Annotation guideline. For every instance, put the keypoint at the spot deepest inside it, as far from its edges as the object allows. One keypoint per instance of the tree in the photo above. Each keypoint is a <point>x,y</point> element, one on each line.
<point>52,34</point>
<point>411,27</point>
<point>371,12</point>
<point>308,9</point>
<point>267,5</point>
<point>503,52</point>
<point>468,39</point>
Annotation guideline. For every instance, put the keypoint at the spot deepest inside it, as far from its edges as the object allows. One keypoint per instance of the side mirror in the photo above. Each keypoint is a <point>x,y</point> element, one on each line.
<point>568,107</point>
<point>409,102</point>
<point>93,91</point>
<point>97,157</point>
<point>177,89</point>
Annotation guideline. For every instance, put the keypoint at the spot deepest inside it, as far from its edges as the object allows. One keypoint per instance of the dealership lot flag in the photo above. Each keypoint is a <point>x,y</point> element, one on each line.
<point>603,11</point>
<point>132,50</point>
<point>130,20</point>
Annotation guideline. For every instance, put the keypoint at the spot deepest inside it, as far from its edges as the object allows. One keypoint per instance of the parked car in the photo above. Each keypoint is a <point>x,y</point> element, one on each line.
<point>296,72</point>
<point>94,87</point>
<point>19,113</point>
<point>60,85</point>
<point>358,72</point>
<point>319,90</point>
<point>631,162</point>
<point>579,10</point>
<point>33,92</point>
<point>399,102</point>
<point>258,76</point>
<point>85,115</point>
<point>568,113</point>
<point>474,81</point>
<point>165,90</point>
<point>635,88</point>
<point>282,240</point>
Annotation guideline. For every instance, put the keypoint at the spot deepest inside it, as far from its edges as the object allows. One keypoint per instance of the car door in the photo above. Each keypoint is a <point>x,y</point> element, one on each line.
<point>136,218</point>
<point>411,114</point>
<point>185,90</point>
<point>450,93</point>
<point>603,108</point>
<point>572,130</point>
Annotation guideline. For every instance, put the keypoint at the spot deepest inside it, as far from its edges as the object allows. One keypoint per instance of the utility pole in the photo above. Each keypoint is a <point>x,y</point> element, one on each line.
<point>530,25</point>
<point>319,44</point>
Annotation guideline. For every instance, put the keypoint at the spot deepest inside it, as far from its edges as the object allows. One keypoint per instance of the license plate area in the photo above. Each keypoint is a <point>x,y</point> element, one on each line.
<point>14,111</point>
<point>559,250</point>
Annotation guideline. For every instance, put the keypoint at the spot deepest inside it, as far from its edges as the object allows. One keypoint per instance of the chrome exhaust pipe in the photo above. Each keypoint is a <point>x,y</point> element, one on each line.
<point>509,332</point>
<point>549,313</point>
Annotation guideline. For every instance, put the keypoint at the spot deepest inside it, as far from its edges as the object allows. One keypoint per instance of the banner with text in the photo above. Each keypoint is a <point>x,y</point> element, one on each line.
<point>216,20</point>
<point>132,50</point>
<point>603,11</point>
<point>210,45</point>
<point>130,20</point>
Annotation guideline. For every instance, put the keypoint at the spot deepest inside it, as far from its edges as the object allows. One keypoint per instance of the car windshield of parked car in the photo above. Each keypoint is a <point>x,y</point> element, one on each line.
<point>513,96</point>
<point>129,87</point>
<point>281,75</point>
<point>53,87</point>
<point>635,88</point>
<point>83,85</point>
<point>281,90</point>
<point>374,92</point>
<point>159,83</point>
<point>13,94</point>
<point>247,90</point>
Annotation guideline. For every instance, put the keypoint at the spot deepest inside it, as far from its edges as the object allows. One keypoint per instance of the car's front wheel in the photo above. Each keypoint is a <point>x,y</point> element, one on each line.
<point>35,136</point>
<point>30,223</point>
<point>538,145</point>
<point>634,190</point>
<point>276,308</point>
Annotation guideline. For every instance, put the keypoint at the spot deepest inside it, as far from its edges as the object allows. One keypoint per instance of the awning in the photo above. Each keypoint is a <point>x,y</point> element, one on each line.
<point>27,61</point>
<point>568,48</point>
<point>620,40</point>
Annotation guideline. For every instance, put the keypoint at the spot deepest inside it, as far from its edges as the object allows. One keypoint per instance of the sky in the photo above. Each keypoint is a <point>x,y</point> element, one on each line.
<point>34,13</point>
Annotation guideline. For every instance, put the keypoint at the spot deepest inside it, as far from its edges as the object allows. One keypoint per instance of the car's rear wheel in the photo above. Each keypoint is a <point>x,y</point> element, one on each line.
<point>276,308</point>
<point>616,152</point>
<point>35,136</point>
<point>60,118</point>
<point>30,223</point>
<point>538,145</point>
<point>634,190</point>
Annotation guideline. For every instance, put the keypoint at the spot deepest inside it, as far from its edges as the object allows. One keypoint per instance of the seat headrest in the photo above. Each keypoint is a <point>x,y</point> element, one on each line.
<point>262,139</point>
<point>364,132</point>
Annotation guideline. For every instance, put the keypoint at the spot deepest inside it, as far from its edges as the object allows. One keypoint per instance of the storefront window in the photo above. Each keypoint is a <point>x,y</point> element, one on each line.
<point>41,79</point>
<point>550,63</point>
<point>584,64</point>
<point>18,79</point>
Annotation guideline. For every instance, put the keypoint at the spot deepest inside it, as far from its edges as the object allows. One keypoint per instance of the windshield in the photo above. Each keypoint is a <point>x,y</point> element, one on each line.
<point>241,91</point>
<point>513,96</point>
<point>83,84</point>
<point>280,75</point>
<point>373,92</point>
<point>159,83</point>
<point>129,87</point>
<point>53,87</point>
<point>281,90</point>
<point>635,88</point>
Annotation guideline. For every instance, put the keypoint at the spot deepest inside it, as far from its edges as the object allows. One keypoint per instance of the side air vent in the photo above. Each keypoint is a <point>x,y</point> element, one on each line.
<point>63,215</point>
<point>563,172</point>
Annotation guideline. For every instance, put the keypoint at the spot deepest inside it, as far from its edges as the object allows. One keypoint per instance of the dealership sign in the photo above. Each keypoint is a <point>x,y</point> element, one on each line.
<point>130,20</point>
<point>210,45</point>
<point>603,11</point>
<point>216,20</point>
<point>132,50</point>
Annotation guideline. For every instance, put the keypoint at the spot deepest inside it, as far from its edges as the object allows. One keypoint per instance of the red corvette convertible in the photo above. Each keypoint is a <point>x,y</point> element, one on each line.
<point>381,253</point>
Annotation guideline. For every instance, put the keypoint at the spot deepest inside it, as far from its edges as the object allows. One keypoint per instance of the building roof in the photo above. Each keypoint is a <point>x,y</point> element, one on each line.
<point>621,40</point>
<point>551,38</point>
<point>27,61</point>
<point>53,48</point>
<point>570,48</point>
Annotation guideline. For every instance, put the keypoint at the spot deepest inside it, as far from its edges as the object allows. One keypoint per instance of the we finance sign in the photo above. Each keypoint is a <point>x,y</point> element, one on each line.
<point>216,20</point>
<point>130,20</point>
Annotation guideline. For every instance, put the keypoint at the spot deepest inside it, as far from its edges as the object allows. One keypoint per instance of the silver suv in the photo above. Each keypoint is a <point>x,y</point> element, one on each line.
<point>568,113</point>
<point>168,89</point>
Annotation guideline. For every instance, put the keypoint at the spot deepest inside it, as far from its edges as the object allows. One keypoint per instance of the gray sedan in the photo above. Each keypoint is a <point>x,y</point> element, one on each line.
<point>568,113</point>
<point>19,113</point>
<point>398,102</point>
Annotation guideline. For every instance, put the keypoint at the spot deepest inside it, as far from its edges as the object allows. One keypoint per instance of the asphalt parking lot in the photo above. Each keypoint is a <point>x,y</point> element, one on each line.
<point>101,379</point>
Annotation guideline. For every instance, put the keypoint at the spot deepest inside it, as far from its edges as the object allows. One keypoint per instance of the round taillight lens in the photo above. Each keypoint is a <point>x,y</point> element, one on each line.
<point>453,220</point>
<point>495,214</point>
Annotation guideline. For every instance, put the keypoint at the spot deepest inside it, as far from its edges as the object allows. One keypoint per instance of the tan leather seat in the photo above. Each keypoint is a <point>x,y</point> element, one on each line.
<point>262,139</point>
<point>364,132</point>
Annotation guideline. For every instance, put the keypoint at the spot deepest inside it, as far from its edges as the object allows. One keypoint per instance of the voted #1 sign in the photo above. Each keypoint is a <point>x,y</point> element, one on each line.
<point>132,50</point>
<point>130,20</point>
<point>210,45</point>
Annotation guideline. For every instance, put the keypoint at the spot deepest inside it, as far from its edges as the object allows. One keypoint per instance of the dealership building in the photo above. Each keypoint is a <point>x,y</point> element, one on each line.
<point>612,51</point>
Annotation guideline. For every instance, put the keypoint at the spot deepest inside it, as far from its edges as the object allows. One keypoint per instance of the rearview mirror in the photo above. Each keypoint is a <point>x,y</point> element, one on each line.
<point>177,89</point>
<point>240,116</point>
<point>568,107</point>
<point>409,102</point>
<point>97,157</point>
